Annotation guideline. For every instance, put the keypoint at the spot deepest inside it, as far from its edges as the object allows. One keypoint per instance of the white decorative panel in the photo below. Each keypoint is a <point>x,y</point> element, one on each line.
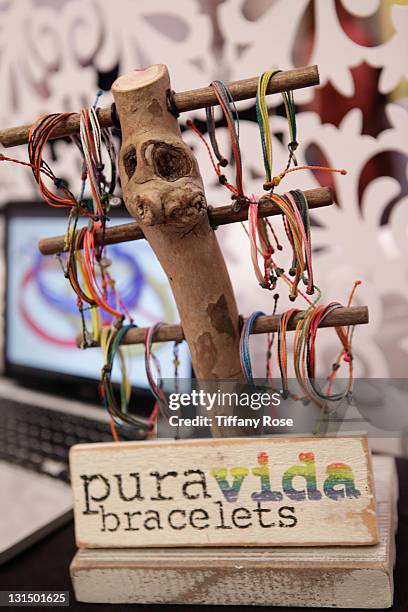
<point>53,52</point>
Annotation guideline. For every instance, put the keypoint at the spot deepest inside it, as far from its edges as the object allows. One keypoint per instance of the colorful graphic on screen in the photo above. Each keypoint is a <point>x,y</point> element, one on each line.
<point>43,318</point>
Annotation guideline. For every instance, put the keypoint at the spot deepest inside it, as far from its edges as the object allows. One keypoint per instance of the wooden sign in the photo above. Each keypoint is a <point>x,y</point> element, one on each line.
<point>224,492</point>
<point>336,576</point>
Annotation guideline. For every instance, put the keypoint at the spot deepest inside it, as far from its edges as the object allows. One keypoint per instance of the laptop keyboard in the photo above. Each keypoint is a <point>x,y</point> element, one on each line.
<point>39,439</point>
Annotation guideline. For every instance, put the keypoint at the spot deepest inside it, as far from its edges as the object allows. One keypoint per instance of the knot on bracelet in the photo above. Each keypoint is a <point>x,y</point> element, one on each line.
<point>103,218</point>
<point>292,146</point>
<point>238,202</point>
<point>269,185</point>
<point>60,183</point>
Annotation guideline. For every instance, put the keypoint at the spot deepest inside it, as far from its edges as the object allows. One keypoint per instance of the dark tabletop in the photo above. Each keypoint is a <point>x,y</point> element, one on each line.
<point>45,566</point>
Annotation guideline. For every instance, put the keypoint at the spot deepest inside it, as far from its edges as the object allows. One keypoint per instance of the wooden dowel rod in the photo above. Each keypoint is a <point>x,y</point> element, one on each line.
<point>316,198</point>
<point>245,89</point>
<point>222,215</point>
<point>184,101</point>
<point>356,315</point>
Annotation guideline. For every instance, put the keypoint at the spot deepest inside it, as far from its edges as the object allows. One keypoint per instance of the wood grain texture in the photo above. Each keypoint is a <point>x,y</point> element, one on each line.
<point>208,493</point>
<point>341,577</point>
<point>245,89</point>
<point>220,215</point>
<point>163,190</point>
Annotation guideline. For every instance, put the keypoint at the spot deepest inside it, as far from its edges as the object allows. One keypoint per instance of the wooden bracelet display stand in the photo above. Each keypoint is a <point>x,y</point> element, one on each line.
<point>154,519</point>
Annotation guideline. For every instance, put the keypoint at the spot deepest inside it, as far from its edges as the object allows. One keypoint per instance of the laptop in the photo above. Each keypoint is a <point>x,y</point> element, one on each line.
<point>49,388</point>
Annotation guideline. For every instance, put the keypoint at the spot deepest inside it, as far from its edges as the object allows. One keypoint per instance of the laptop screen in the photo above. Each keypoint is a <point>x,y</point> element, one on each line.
<point>42,315</point>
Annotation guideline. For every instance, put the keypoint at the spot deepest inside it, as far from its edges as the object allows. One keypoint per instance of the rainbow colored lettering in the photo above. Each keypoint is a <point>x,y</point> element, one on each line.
<point>339,482</point>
